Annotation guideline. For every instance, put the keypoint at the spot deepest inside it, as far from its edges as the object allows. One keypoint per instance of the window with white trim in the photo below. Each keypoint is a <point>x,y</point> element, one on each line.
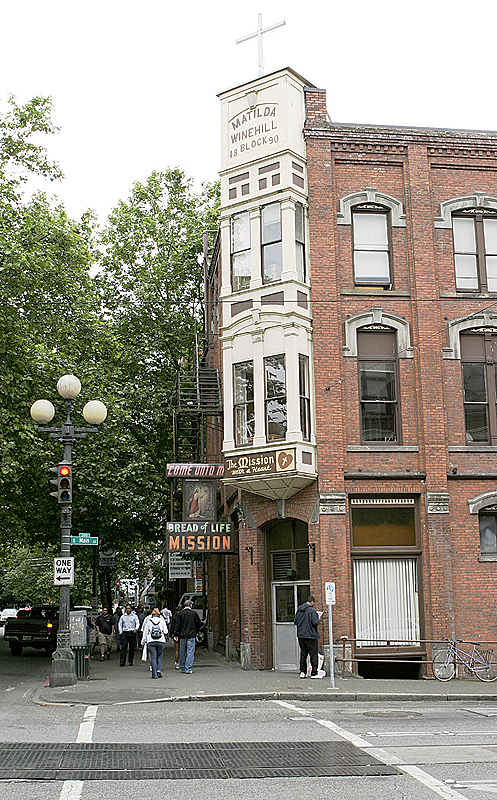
<point>240,251</point>
<point>276,406</point>
<point>243,396</point>
<point>272,249</point>
<point>305,397</point>
<point>299,241</point>
<point>371,243</point>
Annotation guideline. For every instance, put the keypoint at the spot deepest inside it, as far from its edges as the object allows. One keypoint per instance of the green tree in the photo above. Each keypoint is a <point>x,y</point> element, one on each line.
<point>28,575</point>
<point>49,322</point>
<point>151,283</point>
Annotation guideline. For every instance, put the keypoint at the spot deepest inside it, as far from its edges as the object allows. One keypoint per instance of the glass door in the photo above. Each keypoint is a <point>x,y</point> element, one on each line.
<point>286,599</point>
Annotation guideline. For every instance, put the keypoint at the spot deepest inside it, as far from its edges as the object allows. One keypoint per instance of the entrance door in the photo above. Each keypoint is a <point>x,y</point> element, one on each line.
<point>287,597</point>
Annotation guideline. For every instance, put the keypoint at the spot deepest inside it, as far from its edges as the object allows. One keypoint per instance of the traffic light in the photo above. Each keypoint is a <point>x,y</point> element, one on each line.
<point>62,483</point>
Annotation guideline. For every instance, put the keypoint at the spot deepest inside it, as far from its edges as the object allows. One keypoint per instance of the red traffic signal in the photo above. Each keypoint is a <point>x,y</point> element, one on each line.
<point>62,483</point>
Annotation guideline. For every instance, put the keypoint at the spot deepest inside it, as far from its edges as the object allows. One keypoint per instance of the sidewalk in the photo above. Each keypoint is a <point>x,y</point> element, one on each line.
<point>215,679</point>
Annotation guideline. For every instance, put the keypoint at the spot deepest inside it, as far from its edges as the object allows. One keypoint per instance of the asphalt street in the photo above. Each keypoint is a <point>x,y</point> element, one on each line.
<point>431,747</point>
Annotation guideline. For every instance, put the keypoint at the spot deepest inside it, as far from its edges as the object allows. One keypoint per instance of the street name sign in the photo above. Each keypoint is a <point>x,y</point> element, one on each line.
<point>84,538</point>
<point>63,571</point>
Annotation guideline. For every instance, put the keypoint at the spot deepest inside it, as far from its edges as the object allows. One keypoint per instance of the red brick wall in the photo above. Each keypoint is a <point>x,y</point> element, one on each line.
<point>420,168</point>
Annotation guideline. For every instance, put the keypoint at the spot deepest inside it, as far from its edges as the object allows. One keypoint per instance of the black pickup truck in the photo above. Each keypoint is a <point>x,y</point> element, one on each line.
<point>34,628</point>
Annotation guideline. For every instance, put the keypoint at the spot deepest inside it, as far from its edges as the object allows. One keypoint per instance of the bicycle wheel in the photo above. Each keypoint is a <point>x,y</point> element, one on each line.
<point>443,666</point>
<point>486,672</point>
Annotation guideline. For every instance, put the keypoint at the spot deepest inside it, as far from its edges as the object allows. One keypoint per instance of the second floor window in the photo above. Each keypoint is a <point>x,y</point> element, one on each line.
<point>240,251</point>
<point>243,393</point>
<point>488,533</point>
<point>272,250</point>
<point>299,241</point>
<point>304,393</point>
<point>479,375</point>
<point>276,410</point>
<point>371,246</point>
<point>378,385</point>
<point>475,251</point>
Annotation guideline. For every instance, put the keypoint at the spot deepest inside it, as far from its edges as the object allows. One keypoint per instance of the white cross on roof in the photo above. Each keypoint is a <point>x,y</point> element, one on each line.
<point>258,33</point>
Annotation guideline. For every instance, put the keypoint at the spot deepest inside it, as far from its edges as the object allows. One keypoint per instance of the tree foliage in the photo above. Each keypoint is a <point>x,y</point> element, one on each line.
<point>119,309</point>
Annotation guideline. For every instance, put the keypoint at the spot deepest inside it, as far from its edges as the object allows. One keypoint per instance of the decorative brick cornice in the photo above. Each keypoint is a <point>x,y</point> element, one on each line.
<point>463,152</point>
<point>375,148</point>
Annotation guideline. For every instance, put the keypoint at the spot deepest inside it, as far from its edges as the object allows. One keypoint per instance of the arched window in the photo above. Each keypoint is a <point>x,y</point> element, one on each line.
<point>378,379</point>
<point>371,245</point>
<point>473,220</point>
<point>475,250</point>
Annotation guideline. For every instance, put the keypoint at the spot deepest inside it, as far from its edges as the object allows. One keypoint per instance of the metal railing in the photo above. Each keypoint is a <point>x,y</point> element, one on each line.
<point>399,646</point>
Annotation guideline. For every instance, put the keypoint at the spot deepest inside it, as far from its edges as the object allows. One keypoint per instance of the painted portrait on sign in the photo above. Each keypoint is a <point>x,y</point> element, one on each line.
<point>199,501</point>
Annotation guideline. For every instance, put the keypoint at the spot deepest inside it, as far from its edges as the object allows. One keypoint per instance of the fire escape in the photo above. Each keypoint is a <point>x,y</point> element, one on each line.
<point>198,405</point>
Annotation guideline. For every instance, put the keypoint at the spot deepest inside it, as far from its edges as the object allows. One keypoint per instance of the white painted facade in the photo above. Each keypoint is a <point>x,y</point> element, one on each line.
<point>267,311</point>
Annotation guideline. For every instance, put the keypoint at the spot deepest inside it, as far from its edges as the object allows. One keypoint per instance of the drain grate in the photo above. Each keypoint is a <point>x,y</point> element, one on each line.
<point>180,761</point>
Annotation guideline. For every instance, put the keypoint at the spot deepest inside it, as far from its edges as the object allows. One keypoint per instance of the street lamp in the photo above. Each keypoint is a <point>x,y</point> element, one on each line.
<point>42,411</point>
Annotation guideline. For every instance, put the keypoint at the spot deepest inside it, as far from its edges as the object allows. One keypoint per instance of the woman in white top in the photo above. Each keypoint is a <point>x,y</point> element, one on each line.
<point>154,634</point>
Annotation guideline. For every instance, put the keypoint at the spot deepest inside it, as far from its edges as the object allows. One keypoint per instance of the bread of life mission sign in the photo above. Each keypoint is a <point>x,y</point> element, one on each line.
<point>256,464</point>
<point>199,537</point>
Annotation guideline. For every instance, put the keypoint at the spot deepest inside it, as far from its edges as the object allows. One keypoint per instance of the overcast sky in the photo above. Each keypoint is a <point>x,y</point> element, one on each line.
<point>134,84</point>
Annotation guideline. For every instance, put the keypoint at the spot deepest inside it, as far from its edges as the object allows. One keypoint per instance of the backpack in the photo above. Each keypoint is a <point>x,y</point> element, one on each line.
<point>155,632</point>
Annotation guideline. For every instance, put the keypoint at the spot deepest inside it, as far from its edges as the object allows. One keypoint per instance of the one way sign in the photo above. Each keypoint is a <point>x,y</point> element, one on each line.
<point>63,571</point>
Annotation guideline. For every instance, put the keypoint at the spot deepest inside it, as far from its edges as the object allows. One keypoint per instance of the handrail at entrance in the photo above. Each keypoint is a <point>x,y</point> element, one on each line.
<point>396,645</point>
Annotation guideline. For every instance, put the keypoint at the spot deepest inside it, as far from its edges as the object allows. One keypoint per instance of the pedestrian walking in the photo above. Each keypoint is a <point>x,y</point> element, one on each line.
<point>104,624</point>
<point>186,628</point>
<point>172,628</point>
<point>167,614</point>
<point>117,616</point>
<point>154,635</point>
<point>129,624</point>
<point>307,621</point>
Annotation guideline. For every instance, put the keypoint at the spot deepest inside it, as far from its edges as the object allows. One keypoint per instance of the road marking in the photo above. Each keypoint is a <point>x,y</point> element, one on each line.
<point>435,733</point>
<point>441,789</point>
<point>85,732</point>
<point>72,790</point>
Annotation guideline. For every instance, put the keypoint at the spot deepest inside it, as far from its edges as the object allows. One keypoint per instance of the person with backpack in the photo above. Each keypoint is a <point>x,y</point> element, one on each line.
<point>154,635</point>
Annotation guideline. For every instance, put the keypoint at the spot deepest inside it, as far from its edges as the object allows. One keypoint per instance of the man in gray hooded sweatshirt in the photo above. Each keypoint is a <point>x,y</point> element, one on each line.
<point>307,621</point>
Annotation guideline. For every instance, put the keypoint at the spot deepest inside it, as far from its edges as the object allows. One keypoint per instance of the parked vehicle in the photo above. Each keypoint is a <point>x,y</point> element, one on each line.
<point>6,614</point>
<point>38,629</point>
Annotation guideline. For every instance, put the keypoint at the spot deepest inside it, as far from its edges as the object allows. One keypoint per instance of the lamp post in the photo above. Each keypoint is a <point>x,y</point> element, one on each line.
<point>42,411</point>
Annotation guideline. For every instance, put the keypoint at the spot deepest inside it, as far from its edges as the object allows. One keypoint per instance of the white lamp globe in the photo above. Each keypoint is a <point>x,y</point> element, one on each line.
<point>42,411</point>
<point>68,386</point>
<point>94,412</point>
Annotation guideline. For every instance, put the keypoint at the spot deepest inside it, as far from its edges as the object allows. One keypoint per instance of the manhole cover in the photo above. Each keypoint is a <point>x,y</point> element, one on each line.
<point>392,713</point>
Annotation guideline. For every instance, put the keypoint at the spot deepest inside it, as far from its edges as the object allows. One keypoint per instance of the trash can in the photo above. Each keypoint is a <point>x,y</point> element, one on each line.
<point>82,655</point>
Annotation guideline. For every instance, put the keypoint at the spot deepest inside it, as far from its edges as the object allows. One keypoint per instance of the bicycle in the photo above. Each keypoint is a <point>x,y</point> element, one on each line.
<point>482,664</point>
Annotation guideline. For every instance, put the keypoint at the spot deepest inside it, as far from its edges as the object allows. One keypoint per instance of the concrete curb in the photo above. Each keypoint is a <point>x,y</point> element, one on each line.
<point>333,695</point>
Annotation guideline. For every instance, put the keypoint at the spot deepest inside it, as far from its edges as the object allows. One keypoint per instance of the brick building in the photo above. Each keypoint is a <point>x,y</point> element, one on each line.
<point>353,299</point>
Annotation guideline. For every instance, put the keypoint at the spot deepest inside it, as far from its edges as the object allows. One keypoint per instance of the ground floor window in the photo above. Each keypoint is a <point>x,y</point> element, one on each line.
<point>386,601</point>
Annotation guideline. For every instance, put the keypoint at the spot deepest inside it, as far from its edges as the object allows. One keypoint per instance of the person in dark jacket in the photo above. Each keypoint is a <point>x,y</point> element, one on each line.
<point>186,627</point>
<point>307,621</point>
